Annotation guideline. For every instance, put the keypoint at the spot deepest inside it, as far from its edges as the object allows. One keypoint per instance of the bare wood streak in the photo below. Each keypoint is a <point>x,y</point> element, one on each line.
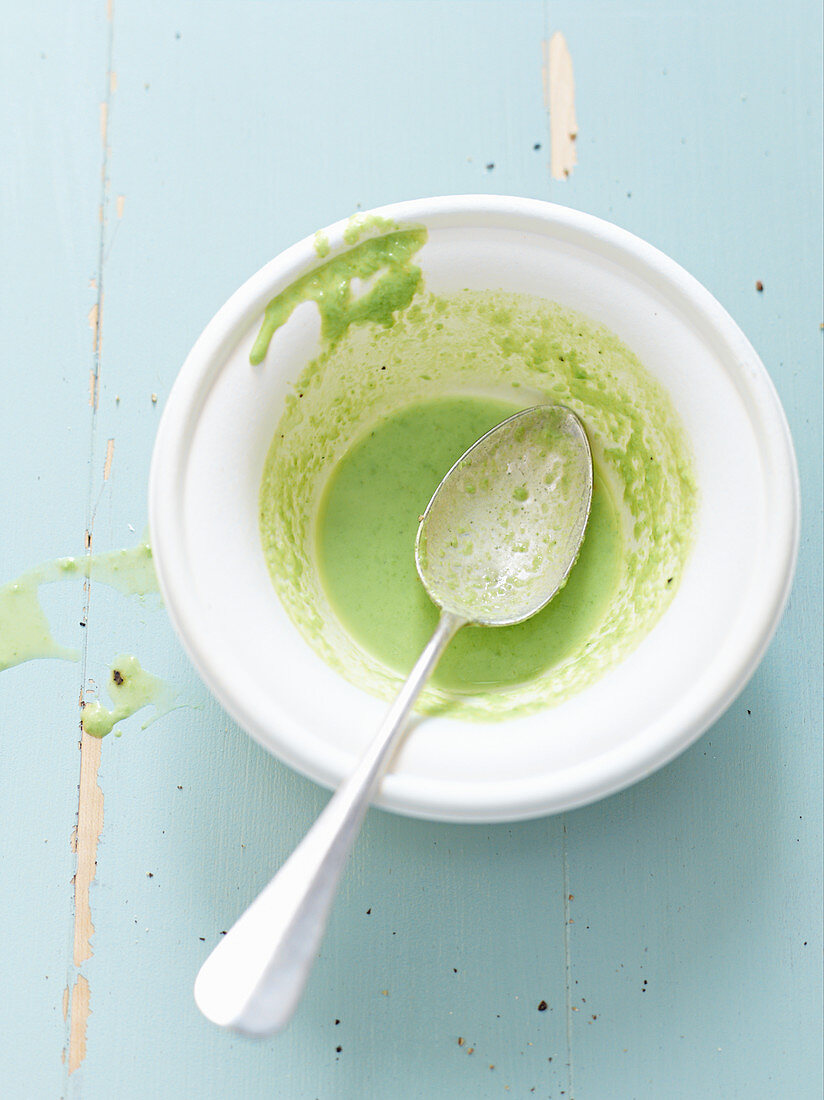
<point>92,317</point>
<point>121,202</point>
<point>89,827</point>
<point>107,465</point>
<point>86,836</point>
<point>81,1001</point>
<point>559,100</point>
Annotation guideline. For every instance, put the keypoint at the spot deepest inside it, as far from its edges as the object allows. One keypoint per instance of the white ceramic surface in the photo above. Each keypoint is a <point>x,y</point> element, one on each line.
<point>212,442</point>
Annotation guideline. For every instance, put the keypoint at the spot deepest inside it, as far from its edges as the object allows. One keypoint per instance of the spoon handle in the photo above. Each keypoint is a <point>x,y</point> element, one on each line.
<point>254,978</point>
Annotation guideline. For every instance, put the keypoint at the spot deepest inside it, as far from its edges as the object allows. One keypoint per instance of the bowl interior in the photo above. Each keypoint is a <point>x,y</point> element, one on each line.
<point>205,481</point>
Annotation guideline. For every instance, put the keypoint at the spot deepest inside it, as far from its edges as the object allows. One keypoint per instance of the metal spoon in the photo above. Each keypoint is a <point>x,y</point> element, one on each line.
<point>496,542</point>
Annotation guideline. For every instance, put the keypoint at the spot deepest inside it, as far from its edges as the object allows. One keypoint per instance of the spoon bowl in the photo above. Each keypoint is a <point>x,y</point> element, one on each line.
<point>504,527</point>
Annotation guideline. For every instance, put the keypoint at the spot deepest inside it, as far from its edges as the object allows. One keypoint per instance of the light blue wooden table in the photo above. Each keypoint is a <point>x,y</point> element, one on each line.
<point>153,156</point>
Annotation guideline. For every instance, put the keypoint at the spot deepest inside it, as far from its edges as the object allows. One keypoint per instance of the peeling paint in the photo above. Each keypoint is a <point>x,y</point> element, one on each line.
<point>89,828</point>
<point>94,319</point>
<point>121,202</point>
<point>81,1001</point>
<point>107,465</point>
<point>66,1003</point>
<point>104,120</point>
<point>112,81</point>
<point>559,101</point>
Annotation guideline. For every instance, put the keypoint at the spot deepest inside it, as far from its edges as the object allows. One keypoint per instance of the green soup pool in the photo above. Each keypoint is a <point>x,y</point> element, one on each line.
<point>366,528</point>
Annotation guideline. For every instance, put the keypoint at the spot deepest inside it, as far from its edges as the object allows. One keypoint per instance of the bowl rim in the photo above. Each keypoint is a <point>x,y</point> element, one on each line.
<point>675,729</point>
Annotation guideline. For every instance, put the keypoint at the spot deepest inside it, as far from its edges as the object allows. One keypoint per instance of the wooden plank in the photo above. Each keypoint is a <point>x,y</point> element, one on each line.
<point>695,941</point>
<point>52,66</point>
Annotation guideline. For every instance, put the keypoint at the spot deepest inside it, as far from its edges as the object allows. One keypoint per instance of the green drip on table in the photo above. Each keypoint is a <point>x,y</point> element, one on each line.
<point>25,634</point>
<point>131,689</point>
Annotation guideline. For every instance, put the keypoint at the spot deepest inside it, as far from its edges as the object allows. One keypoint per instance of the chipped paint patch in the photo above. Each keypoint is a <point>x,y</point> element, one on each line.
<point>92,318</point>
<point>559,101</point>
<point>121,202</point>
<point>89,828</point>
<point>112,81</point>
<point>98,347</point>
<point>104,120</point>
<point>66,1003</point>
<point>81,1002</point>
<point>107,465</point>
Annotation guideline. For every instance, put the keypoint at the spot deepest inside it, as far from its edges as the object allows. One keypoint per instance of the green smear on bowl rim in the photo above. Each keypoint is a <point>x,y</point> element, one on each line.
<point>384,259</point>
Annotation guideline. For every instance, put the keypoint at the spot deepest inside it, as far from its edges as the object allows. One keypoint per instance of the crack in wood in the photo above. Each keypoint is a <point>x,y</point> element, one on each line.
<point>86,835</point>
<point>568,1009</point>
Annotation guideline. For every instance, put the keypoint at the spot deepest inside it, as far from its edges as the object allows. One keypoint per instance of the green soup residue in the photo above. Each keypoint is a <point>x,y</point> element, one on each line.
<point>405,381</point>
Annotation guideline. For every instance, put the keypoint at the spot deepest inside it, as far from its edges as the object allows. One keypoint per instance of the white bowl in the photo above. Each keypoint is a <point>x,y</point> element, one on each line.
<point>203,500</point>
